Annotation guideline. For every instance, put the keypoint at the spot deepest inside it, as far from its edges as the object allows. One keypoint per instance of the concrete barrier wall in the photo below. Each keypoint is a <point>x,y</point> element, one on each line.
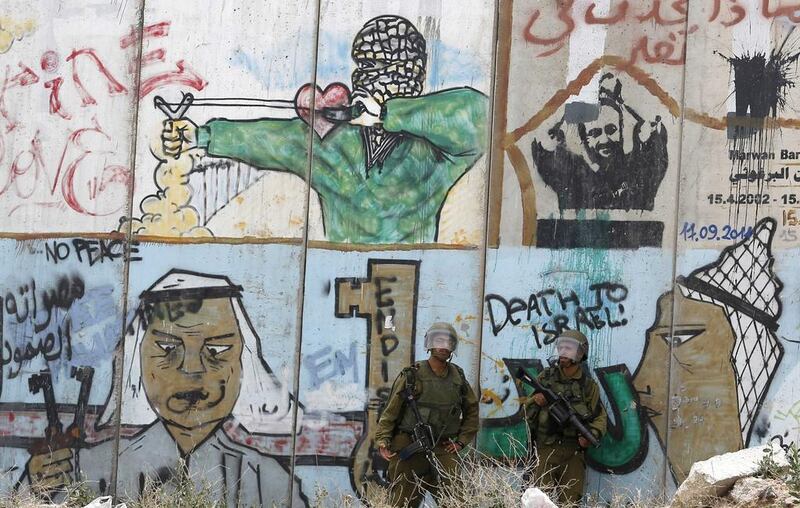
<point>630,169</point>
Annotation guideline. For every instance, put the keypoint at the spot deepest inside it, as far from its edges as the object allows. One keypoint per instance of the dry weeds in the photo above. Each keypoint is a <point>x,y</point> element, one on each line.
<point>481,482</point>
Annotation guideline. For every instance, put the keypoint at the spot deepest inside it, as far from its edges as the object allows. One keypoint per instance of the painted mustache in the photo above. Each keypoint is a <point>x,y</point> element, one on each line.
<point>181,402</point>
<point>192,396</point>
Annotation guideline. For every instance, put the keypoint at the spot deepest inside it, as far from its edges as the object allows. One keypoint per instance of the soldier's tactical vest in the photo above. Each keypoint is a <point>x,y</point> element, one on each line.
<point>438,399</point>
<point>574,390</point>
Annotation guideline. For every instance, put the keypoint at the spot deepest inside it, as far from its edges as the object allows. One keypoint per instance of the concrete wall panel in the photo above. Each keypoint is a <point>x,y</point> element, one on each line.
<point>68,106</point>
<point>242,64</point>
<point>62,312</point>
<point>623,168</point>
<point>208,369</point>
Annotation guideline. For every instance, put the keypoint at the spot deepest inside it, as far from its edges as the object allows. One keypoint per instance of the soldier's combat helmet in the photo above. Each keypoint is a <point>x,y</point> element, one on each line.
<point>572,344</point>
<point>441,335</point>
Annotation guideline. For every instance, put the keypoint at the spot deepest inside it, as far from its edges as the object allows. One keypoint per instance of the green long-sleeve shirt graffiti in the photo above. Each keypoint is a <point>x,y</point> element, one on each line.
<point>396,406</point>
<point>444,134</point>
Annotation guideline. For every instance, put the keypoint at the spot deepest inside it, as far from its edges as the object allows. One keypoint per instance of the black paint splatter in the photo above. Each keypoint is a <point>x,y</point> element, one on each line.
<point>761,85</point>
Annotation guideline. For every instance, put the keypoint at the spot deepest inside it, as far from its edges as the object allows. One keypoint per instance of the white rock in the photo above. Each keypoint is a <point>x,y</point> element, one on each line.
<point>104,502</point>
<point>100,502</point>
<point>535,498</point>
<point>715,477</point>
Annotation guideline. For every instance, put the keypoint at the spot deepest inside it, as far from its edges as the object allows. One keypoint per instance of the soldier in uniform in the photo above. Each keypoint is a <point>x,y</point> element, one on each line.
<point>446,402</point>
<point>560,450</point>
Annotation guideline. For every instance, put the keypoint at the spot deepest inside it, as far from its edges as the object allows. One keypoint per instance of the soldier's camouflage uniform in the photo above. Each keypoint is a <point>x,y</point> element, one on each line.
<point>449,405</point>
<point>561,460</point>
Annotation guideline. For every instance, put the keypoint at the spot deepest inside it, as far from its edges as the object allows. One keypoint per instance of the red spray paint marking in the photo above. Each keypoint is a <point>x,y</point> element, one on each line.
<point>622,11</point>
<point>25,78</point>
<point>29,164</point>
<point>151,57</point>
<point>114,86</point>
<point>27,170</point>
<point>659,13</point>
<point>792,12</point>
<point>55,103</point>
<point>49,61</point>
<point>150,31</point>
<point>185,76</point>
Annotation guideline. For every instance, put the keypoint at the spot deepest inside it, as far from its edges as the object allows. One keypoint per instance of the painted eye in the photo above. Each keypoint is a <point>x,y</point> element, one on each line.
<point>681,337</point>
<point>168,347</point>
<point>215,350</point>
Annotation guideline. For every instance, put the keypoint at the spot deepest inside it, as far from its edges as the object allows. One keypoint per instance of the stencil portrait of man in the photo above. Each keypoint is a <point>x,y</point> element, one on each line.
<point>597,172</point>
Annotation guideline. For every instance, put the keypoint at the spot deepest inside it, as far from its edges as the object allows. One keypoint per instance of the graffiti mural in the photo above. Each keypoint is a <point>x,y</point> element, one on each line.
<point>381,136</point>
<point>724,351</point>
<point>224,230</point>
<point>190,363</point>
<point>550,311</point>
<point>60,313</point>
<point>601,157</point>
<point>390,312</point>
<point>546,314</point>
<point>589,151</point>
<point>376,307</point>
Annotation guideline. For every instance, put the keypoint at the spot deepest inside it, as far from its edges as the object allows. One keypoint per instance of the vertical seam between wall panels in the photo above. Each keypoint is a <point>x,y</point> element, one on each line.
<point>304,255</point>
<point>666,469</point>
<point>117,373</point>
<point>487,192</point>
<point>502,71</point>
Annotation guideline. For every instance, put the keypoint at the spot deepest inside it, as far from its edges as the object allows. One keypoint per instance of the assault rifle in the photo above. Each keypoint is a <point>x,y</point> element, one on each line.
<point>422,434</point>
<point>560,409</point>
<point>54,435</point>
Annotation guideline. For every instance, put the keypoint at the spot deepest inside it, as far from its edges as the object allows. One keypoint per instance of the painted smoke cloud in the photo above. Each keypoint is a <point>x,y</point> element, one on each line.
<point>169,211</point>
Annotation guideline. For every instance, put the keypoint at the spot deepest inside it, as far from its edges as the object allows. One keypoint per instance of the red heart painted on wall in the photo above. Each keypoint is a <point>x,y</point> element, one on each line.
<point>335,95</point>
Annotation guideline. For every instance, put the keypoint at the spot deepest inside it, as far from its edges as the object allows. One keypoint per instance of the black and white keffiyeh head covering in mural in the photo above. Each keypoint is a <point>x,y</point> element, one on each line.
<point>264,405</point>
<point>742,282</point>
<point>390,56</point>
<point>389,53</point>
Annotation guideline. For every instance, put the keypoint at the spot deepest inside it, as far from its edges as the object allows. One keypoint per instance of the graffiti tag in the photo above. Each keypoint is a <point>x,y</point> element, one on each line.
<point>551,311</point>
<point>31,313</point>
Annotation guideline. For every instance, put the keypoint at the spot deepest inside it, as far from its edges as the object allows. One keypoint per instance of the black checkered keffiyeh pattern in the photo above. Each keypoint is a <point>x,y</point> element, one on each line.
<point>742,282</point>
<point>745,271</point>
<point>389,53</point>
